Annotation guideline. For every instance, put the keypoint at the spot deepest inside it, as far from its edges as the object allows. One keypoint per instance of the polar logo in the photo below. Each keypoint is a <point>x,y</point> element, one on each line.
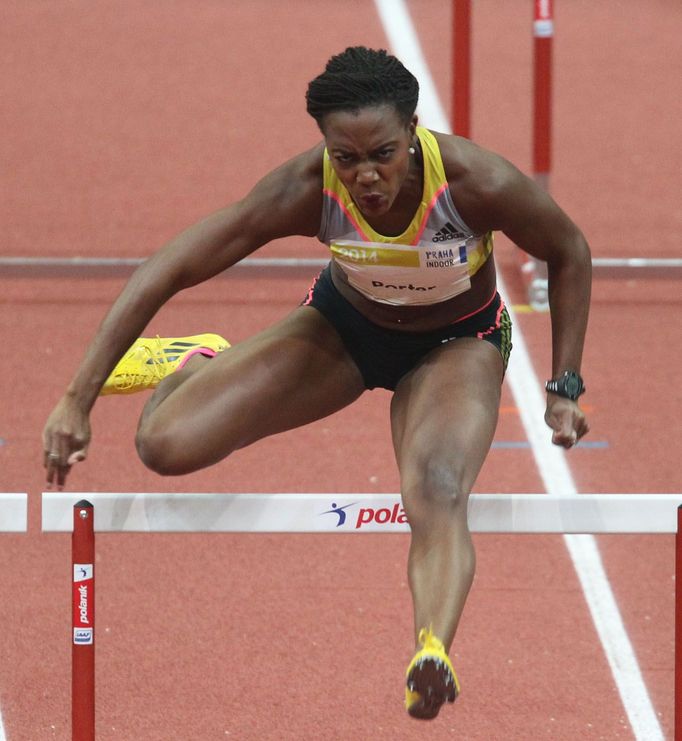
<point>340,512</point>
<point>381,516</point>
<point>367,516</point>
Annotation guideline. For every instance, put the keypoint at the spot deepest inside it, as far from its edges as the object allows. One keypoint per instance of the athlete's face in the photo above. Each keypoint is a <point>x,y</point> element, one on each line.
<point>369,152</point>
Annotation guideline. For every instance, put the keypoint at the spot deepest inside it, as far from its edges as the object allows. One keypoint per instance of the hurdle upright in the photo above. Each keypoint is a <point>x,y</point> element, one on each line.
<point>83,622</point>
<point>533,271</point>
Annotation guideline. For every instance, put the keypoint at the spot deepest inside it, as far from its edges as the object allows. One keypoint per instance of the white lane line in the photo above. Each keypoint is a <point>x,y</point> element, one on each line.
<point>550,460</point>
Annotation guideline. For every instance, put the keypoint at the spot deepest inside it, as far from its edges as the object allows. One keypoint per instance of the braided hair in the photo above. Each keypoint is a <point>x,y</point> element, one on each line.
<point>360,77</point>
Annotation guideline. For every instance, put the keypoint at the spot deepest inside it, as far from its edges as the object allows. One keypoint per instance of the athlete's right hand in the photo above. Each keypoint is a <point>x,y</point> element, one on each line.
<point>65,440</point>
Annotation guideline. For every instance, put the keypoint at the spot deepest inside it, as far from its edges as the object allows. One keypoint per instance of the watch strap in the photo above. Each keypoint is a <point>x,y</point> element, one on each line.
<point>569,385</point>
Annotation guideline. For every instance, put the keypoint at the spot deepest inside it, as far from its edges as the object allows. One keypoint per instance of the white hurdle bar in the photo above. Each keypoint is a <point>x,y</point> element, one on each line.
<point>359,513</point>
<point>13,512</point>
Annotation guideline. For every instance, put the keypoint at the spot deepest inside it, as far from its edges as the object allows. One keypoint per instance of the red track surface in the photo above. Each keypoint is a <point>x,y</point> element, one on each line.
<point>125,122</point>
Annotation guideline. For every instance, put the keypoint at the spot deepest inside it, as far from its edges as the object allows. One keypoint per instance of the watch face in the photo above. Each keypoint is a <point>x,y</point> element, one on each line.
<point>572,385</point>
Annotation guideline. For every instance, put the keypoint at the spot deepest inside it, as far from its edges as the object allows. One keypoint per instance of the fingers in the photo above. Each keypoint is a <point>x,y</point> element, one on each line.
<point>55,473</point>
<point>66,437</point>
<point>567,422</point>
<point>59,457</point>
<point>76,457</point>
<point>565,440</point>
<point>570,432</point>
<point>56,470</point>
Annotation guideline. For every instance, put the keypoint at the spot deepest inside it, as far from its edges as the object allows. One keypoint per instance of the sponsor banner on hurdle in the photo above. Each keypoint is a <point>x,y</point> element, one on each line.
<point>13,512</point>
<point>360,513</point>
<point>83,599</point>
<point>157,512</point>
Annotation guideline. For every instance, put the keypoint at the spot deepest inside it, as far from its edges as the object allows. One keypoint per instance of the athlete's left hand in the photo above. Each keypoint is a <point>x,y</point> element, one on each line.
<point>566,419</point>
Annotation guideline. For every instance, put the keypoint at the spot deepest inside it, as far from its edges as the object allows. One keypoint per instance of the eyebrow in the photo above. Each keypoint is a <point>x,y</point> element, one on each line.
<point>347,150</point>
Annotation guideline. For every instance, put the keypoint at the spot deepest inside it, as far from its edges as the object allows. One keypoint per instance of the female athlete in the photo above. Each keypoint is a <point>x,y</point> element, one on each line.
<point>408,302</point>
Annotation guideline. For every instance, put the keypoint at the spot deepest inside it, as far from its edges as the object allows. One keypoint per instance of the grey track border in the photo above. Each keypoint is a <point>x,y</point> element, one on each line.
<point>123,267</point>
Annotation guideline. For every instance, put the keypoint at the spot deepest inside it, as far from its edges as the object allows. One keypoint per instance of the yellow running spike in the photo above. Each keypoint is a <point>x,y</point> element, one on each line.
<point>430,678</point>
<point>149,360</point>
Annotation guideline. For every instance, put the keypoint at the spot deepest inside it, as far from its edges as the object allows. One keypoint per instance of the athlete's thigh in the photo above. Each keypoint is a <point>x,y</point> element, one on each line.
<point>290,374</point>
<point>444,413</point>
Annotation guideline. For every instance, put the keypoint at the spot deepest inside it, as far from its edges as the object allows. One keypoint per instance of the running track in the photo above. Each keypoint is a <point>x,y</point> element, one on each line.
<point>123,123</point>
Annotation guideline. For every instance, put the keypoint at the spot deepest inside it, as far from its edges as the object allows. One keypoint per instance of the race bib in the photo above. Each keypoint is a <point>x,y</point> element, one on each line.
<point>401,274</point>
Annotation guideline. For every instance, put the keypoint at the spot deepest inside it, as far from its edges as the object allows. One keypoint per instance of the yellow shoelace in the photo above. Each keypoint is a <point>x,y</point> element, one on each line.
<point>157,369</point>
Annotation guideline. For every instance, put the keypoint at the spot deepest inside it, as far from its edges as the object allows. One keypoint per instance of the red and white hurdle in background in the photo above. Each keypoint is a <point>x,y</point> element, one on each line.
<point>535,272</point>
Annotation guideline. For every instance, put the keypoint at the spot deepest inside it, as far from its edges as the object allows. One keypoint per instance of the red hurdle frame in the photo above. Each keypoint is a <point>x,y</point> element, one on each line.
<point>534,272</point>
<point>83,622</point>
<point>543,33</point>
<point>461,75</point>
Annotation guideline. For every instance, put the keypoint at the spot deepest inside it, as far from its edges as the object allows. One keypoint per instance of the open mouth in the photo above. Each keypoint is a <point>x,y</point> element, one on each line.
<point>371,201</point>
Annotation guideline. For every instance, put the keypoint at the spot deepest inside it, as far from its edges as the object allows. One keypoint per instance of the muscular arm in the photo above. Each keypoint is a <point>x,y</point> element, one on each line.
<point>534,222</point>
<point>285,202</point>
<point>288,201</point>
<point>492,194</point>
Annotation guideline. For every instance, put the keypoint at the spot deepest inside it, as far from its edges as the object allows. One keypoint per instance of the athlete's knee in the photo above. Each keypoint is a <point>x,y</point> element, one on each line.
<point>154,450</point>
<point>434,488</point>
<point>164,451</point>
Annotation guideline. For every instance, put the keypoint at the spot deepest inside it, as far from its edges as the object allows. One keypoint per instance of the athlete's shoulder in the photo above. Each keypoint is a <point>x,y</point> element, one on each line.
<point>479,179</point>
<point>309,163</point>
<point>467,163</point>
<point>291,194</point>
<point>301,172</point>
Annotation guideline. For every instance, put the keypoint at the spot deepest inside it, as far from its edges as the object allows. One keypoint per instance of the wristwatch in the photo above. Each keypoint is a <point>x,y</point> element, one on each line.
<point>570,385</point>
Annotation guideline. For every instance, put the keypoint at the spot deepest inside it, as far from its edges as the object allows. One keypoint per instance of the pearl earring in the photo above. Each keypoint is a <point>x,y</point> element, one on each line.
<point>411,150</point>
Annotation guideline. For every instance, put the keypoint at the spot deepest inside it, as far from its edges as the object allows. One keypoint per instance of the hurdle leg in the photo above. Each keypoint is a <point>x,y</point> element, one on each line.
<point>83,640</point>
<point>461,71</point>
<point>543,31</point>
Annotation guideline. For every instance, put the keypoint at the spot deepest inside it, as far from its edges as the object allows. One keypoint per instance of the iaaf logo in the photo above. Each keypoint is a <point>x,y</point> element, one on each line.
<point>83,636</point>
<point>367,515</point>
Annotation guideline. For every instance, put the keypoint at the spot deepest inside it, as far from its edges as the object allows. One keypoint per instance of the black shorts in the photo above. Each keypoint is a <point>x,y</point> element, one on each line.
<point>383,355</point>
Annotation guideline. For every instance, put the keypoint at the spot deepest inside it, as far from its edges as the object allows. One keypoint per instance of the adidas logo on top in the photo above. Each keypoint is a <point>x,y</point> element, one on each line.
<point>447,233</point>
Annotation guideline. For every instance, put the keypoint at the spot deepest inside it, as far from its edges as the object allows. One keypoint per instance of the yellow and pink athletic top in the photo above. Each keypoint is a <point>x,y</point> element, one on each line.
<point>431,261</point>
